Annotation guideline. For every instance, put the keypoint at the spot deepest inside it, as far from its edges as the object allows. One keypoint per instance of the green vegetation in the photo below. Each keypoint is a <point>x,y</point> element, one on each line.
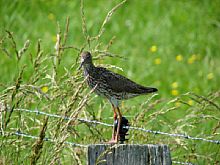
<point>171,45</point>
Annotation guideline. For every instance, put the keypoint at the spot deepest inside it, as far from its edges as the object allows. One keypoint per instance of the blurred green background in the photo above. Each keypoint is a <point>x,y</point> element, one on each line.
<point>171,45</point>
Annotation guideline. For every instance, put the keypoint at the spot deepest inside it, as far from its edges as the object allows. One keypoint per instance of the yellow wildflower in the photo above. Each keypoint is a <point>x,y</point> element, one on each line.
<point>177,104</point>
<point>175,92</point>
<point>51,16</point>
<point>44,89</point>
<point>153,48</point>
<point>190,102</point>
<point>157,61</point>
<point>192,59</point>
<point>210,76</point>
<point>174,85</point>
<point>179,57</point>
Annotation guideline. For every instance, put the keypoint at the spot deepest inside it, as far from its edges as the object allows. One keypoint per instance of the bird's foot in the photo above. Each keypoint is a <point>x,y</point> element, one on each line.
<point>112,141</point>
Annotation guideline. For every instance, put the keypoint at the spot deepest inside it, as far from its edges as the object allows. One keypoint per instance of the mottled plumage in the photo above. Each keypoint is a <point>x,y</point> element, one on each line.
<point>113,86</point>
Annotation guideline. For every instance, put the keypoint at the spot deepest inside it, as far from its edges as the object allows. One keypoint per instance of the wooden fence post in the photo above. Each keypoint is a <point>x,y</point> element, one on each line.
<point>128,154</point>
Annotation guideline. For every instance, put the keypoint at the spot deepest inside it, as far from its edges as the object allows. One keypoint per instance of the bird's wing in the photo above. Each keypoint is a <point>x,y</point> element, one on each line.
<point>119,83</point>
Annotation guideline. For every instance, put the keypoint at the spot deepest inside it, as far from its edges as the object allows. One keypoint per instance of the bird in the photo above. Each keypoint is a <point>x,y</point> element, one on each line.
<point>112,86</point>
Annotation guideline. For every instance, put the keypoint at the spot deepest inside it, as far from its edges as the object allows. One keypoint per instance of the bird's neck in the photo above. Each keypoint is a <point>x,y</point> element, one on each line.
<point>88,68</point>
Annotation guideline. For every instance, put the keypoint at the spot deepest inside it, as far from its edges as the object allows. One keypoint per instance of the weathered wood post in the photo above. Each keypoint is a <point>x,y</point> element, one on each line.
<point>128,154</point>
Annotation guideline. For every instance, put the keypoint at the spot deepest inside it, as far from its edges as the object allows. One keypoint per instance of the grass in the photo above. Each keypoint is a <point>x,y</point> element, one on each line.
<point>171,45</point>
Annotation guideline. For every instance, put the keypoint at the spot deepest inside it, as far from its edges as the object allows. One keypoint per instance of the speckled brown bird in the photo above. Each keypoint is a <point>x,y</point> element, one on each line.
<point>113,86</point>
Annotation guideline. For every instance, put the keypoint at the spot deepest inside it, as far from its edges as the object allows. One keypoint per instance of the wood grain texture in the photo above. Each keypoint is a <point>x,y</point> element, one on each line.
<point>128,154</point>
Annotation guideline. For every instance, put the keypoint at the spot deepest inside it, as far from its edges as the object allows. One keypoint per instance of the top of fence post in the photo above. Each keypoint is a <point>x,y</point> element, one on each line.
<point>128,154</point>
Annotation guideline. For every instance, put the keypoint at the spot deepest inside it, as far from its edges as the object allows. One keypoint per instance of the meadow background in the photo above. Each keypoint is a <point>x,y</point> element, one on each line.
<point>170,45</point>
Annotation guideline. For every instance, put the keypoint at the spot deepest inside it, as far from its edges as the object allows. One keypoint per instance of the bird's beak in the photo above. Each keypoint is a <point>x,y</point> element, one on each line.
<point>81,64</point>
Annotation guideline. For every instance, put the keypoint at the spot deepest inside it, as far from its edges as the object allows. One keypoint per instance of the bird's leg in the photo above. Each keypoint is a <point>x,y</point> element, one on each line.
<point>119,124</point>
<point>115,118</point>
<point>114,140</point>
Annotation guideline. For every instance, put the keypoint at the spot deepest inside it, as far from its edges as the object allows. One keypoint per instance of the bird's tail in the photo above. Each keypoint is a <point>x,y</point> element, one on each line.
<point>151,90</point>
<point>148,90</point>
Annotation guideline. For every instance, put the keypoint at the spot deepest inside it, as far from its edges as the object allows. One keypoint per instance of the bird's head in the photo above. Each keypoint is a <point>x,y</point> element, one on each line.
<point>85,59</point>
